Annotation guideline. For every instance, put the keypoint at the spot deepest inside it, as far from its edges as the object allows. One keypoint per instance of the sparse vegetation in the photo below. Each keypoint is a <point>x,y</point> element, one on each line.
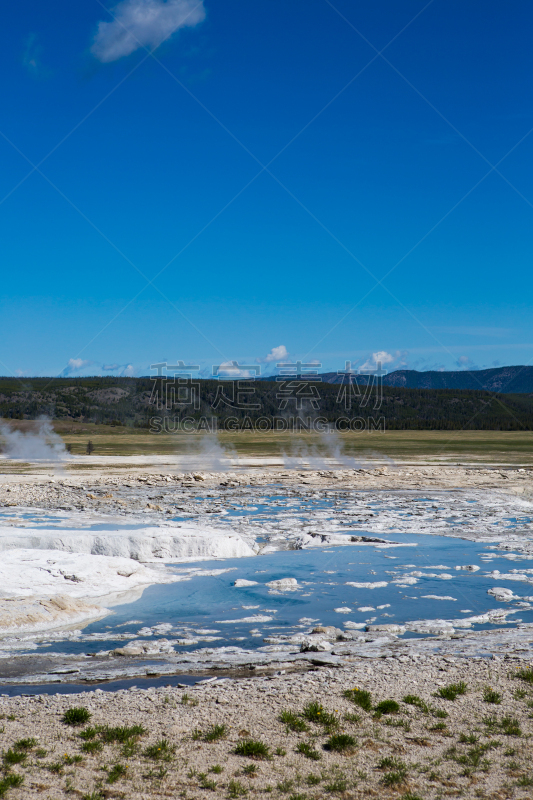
<point>340,743</point>
<point>507,725</point>
<point>187,700</point>
<point>206,783</point>
<point>12,757</point>
<point>337,785</point>
<point>414,700</point>
<point>397,771</point>
<point>236,789</point>
<point>92,747</point>
<point>76,716</point>
<point>293,721</point>
<point>252,749</point>
<point>315,712</point>
<point>525,674</point>
<point>25,744</point>
<point>212,735</point>
<point>354,718</point>
<point>360,697</point>
<point>116,772</point>
<point>285,786</point>
<point>452,691</point>
<point>490,696</point>
<point>471,738</point>
<point>308,751</point>
<point>387,707</point>
<point>160,751</point>
<point>121,734</point>
<point>10,782</point>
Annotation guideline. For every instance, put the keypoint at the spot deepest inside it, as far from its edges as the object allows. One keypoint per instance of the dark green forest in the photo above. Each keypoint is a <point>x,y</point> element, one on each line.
<point>135,402</point>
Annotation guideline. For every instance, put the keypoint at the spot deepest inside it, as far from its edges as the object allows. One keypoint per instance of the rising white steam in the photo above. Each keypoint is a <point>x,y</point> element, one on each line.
<point>42,444</point>
<point>205,452</point>
<point>324,454</point>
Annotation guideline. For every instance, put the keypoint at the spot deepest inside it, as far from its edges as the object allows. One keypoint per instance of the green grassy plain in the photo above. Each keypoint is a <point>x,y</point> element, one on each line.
<point>437,446</point>
<point>405,446</point>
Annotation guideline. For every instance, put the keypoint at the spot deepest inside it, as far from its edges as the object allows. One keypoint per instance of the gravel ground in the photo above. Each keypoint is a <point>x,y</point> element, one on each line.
<point>431,747</point>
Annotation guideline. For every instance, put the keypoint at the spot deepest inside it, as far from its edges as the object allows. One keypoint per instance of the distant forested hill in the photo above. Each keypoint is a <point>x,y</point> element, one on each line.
<point>126,401</point>
<point>507,380</point>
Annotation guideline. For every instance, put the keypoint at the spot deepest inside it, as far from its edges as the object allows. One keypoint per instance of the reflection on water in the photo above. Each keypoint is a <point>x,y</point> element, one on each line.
<point>211,612</point>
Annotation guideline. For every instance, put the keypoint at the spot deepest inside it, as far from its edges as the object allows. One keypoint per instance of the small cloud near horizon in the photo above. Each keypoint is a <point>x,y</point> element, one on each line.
<point>382,357</point>
<point>124,370</point>
<point>143,24</point>
<point>74,365</point>
<point>276,354</point>
<point>464,362</point>
<point>232,369</point>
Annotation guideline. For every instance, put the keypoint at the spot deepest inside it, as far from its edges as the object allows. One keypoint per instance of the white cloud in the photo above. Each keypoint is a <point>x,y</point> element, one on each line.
<point>74,365</point>
<point>143,23</point>
<point>382,358</point>
<point>231,369</point>
<point>276,354</point>
<point>123,370</point>
<point>464,362</point>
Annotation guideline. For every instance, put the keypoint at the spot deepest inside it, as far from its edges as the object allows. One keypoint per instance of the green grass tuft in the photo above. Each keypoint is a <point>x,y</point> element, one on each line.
<point>121,734</point>
<point>508,725</point>
<point>89,733</point>
<point>116,772</point>
<point>315,712</point>
<point>337,786</point>
<point>215,733</point>
<point>10,782</point>
<point>236,789</point>
<point>414,700</point>
<point>92,747</point>
<point>206,783</point>
<point>25,744</point>
<point>308,751</point>
<point>490,696</point>
<point>161,750</point>
<point>470,739</point>
<point>12,757</point>
<point>285,786</point>
<point>360,697</point>
<point>340,743</point>
<point>252,749</point>
<point>355,718</point>
<point>387,707</point>
<point>293,721</point>
<point>76,716</point>
<point>525,674</point>
<point>452,691</point>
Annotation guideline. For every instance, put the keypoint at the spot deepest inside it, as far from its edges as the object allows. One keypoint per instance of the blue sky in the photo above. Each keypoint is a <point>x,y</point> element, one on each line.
<point>243,181</point>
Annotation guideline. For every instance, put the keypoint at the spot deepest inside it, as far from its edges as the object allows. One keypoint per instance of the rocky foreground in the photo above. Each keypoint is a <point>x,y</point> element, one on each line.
<point>384,728</point>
